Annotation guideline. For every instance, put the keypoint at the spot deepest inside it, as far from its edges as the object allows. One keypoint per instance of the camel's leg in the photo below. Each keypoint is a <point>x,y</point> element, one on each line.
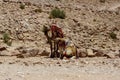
<point>58,54</point>
<point>50,49</point>
<point>61,55</point>
<point>76,54</point>
<point>52,54</point>
<point>56,49</point>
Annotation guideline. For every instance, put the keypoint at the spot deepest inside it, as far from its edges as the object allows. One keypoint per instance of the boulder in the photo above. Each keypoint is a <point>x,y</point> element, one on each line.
<point>27,52</point>
<point>8,51</point>
<point>98,53</point>
<point>82,54</point>
<point>90,53</point>
<point>110,55</point>
<point>44,53</point>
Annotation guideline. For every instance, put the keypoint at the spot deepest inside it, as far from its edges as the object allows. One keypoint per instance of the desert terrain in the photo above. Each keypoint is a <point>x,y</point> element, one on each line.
<point>90,24</point>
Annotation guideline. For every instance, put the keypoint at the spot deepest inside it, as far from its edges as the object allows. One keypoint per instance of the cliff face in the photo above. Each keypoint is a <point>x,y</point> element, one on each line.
<point>89,23</point>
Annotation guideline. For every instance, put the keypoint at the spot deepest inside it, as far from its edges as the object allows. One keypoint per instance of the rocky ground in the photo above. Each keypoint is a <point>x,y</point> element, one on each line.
<point>89,23</point>
<point>43,68</point>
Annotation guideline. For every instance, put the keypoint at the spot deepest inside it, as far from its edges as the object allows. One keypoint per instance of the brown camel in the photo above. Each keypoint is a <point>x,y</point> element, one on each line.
<point>52,32</point>
<point>66,48</point>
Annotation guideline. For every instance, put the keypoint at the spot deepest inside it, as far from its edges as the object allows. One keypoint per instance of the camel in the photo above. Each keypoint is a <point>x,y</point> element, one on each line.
<point>59,45</point>
<point>52,32</point>
<point>66,48</point>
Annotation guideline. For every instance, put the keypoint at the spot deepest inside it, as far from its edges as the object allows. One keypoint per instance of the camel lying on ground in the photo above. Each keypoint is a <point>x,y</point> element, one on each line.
<point>66,48</point>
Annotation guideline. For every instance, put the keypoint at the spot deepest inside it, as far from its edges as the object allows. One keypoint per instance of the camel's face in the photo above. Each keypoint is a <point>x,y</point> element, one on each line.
<point>49,33</point>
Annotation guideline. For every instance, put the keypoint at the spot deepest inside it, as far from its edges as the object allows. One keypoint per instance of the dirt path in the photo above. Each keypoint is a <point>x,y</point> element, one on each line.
<point>41,68</point>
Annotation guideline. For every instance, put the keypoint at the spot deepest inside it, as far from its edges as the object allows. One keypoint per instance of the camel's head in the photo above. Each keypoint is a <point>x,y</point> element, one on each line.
<point>45,29</point>
<point>47,32</point>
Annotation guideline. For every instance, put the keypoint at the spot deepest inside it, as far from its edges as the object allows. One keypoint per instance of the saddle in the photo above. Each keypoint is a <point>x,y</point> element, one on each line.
<point>56,32</point>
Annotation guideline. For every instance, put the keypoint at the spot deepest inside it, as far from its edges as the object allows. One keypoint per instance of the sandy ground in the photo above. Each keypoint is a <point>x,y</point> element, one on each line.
<point>88,23</point>
<point>43,68</point>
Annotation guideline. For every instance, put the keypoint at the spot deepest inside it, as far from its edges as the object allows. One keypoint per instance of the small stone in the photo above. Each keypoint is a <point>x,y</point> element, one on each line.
<point>1,62</point>
<point>119,53</point>
<point>90,53</point>
<point>20,56</point>
<point>110,55</point>
<point>98,53</point>
<point>82,53</point>
<point>25,63</point>
<point>58,63</point>
<point>27,52</point>
<point>33,52</point>
<point>44,53</point>
<point>73,57</point>
<point>84,62</point>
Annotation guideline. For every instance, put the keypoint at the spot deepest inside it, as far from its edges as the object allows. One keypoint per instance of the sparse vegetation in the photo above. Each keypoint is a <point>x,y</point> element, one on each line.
<point>83,14</point>
<point>6,39</point>
<point>5,0</point>
<point>57,0</point>
<point>57,13</point>
<point>94,20</point>
<point>102,1</point>
<point>113,35</point>
<point>22,6</point>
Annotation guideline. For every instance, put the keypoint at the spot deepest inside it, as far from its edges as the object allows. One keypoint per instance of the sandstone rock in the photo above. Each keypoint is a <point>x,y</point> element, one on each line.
<point>27,52</point>
<point>110,55</point>
<point>4,53</point>
<point>33,52</point>
<point>116,53</point>
<point>44,53</point>
<point>90,53</point>
<point>98,53</point>
<point>9,53</point>
<point>73,57</point>
<point>82,52</point>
